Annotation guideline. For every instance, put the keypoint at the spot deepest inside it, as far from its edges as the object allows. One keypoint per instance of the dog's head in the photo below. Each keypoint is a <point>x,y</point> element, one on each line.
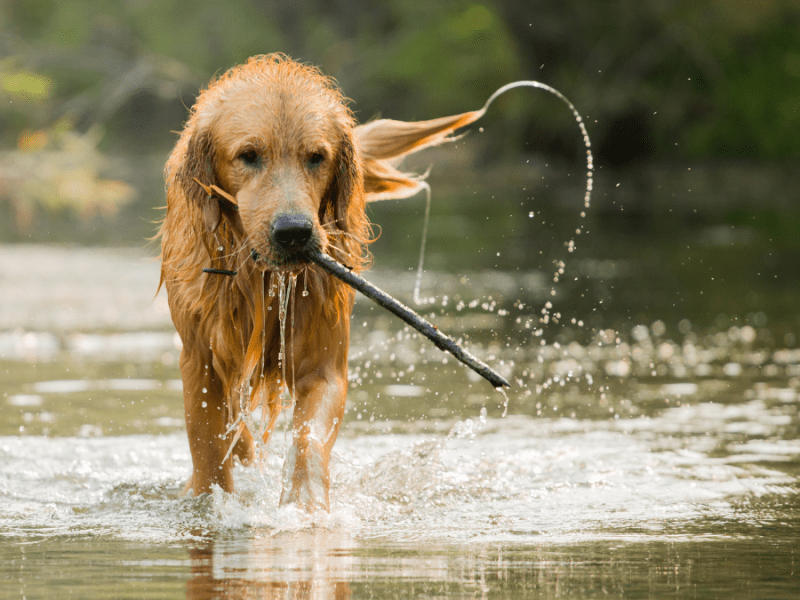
<point>277,137</point>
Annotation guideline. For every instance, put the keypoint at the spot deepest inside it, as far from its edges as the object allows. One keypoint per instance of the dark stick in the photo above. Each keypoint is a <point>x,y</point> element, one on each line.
<point>440,340</point>
<point>220,272</point>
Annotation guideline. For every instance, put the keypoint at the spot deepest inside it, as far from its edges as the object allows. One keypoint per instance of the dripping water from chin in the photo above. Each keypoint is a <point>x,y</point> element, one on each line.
<point>286,287</point>
<point>292,330</point>
<point>264,395</point>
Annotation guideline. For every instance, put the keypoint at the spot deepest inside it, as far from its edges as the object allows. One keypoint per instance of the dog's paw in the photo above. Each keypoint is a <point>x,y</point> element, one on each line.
<point>306,480</point>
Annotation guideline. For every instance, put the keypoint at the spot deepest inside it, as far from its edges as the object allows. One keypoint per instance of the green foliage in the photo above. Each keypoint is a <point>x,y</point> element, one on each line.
<point>58,171</point>
<point>26,86</point>
<point>721,78</point>
<point>446,59</point>
<point>754,109</point>
<point>663,81</point>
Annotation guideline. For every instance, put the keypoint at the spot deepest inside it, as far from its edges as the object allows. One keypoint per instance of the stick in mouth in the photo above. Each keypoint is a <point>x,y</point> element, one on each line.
<point>440,340</point>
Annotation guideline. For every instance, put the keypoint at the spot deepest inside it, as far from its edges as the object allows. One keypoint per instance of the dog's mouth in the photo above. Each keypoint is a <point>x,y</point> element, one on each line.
<point>282,260</point>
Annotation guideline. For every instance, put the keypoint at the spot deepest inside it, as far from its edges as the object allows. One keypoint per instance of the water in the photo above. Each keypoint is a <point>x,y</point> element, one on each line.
<point>645,454</point>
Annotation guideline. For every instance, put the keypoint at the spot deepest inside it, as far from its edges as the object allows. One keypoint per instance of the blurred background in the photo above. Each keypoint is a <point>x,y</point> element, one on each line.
<point>693,108</point>
<point>93,91</point>
<point>653,436</point>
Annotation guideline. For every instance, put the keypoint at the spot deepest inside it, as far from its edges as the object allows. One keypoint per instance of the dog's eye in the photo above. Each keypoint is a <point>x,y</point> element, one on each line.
<point>249,157</point>
<point>315,160</point>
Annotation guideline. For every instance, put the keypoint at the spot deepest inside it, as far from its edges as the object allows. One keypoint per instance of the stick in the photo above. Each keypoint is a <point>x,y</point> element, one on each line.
<point>440,340</point>
<point>220,272</point>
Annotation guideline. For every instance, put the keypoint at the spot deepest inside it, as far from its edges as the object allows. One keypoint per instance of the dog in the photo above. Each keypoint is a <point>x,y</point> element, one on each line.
<point>270,164</point>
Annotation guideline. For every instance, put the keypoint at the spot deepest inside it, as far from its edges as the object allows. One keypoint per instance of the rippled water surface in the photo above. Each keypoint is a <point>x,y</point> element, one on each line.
<point>644,454</point>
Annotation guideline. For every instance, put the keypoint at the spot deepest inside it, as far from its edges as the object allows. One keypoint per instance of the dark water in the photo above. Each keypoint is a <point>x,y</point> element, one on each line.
<point>649,447</point>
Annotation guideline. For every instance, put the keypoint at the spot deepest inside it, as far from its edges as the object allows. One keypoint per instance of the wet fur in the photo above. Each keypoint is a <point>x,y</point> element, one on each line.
<point>286,113</point>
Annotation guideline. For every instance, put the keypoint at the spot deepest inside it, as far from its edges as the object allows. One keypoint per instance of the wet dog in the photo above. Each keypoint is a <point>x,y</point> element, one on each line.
<point>270,165</point>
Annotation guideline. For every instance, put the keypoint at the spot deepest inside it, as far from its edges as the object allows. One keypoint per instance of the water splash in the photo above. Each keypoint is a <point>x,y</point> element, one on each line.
<point>570,244</point>
<point>327,437</point>
<point>587,142</point>
<point>505,401</point>
<point>547,477</point>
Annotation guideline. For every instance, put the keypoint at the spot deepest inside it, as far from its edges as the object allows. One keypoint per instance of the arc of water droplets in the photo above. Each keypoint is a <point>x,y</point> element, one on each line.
<point>589,177</point>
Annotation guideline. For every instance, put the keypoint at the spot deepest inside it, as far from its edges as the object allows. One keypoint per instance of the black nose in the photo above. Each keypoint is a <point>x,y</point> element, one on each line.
<point>292,231</point>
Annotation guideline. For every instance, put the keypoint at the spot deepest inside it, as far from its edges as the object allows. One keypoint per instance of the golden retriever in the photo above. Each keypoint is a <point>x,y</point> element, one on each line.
<point>271,163</point>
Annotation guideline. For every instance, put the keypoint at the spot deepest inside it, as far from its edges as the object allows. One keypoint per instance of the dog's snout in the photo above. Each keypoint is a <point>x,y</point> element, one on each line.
<point>292,231</point>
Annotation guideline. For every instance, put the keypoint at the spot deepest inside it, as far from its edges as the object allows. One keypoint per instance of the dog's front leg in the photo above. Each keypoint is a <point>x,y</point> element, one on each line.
<point>318,414</point>
<point>205,411</point>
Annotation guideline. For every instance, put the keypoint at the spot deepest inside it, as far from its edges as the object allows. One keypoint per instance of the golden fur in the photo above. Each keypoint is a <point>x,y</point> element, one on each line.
<point>269,139</point>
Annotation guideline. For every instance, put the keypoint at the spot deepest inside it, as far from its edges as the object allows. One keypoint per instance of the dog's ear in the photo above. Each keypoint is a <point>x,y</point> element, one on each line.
<point>384,142</point>
<point>346,193</point>
<point>197,174</point>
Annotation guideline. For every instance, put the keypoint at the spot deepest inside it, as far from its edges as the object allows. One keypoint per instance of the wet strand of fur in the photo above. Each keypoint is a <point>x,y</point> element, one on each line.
<point>283,287</point>
<point>252,357</point>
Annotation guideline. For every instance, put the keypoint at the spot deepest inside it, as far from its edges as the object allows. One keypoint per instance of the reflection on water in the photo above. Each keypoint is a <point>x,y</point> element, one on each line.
<point>653,458</point>
<point>306,564</point>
